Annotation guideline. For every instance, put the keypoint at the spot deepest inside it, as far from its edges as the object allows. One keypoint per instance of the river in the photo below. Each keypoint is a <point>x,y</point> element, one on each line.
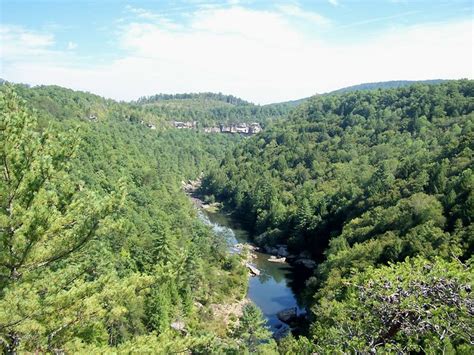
<point>277,287</point>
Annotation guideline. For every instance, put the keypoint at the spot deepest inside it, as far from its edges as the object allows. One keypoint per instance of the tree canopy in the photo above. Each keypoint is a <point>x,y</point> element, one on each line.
<point>102,251</point>
<point>356,181</point>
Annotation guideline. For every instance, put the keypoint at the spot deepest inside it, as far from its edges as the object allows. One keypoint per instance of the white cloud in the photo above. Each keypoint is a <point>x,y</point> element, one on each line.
<point>334,2</point>
<point>258,55</point>
<point>18,43</point>
<point>71,45</point>
<point>296,11</point>
<point>142,13</point>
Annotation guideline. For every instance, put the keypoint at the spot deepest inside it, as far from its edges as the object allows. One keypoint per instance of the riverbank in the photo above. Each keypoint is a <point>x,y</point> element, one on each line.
<point>274,285</point>
<point>277,288</point>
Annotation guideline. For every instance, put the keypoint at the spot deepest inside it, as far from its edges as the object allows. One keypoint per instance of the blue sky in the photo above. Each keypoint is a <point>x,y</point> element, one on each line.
<point>263,51</point>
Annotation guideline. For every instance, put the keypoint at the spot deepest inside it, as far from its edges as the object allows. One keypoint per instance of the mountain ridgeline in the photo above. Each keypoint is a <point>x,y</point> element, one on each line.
<point>393,84</point>
<point>101,251</point>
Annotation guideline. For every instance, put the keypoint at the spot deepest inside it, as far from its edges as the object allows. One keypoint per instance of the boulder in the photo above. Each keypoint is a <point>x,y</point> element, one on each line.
<point>247,246</point>
<point>287,315</point>
<point>251,247</point>
<point>274,259</point>
<point>270,250</point>
<point>179,326</point>
<point>253,270</point>
<point>308,263</point>
<point>282,250</point>
<point>305,255</point>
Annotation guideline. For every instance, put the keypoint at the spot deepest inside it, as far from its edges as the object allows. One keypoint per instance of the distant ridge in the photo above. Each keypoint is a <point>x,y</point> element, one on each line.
<point>393,84</point>
<point>385,85</point>
<point>292,103</point>
<point>204,96</point>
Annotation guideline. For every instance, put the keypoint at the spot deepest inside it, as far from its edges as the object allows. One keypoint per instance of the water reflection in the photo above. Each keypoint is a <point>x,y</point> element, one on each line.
<point>272,290</point>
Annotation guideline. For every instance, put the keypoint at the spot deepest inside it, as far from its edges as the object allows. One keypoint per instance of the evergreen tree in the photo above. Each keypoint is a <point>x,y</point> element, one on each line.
<point>253,332</point>
<point>47,219</point>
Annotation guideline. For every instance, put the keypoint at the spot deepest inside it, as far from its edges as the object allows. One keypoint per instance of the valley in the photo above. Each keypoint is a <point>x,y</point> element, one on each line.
<point>306,231</point>
<point>204,177</point>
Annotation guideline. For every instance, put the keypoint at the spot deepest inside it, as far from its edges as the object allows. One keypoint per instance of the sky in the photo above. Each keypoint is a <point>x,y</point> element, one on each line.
<point>261,51</point>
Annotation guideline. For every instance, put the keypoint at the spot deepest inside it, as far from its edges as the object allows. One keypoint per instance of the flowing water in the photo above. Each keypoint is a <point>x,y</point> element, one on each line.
<point>277,287</point>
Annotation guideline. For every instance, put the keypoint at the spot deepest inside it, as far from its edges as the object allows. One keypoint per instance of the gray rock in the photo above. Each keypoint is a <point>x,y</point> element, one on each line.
<point>179,326</point>
<point>308,263</point>
<point>281,332</point>
<point>282,250</point>
<point>305,255</point>
<point>252,269</point>
<point>287,315</point>
<point>270,250</point>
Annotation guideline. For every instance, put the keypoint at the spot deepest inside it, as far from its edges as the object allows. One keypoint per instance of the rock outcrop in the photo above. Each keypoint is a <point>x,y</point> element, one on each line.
<point>288,315</point>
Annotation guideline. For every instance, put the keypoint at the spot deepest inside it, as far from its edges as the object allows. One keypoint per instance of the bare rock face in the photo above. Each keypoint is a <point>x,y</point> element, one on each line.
<point>229,311</point>
<point>288,315</point>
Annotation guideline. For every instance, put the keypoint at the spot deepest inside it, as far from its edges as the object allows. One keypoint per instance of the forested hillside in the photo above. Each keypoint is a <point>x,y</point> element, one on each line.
<point>100,247</point>
<point>209,109</point>
<point>393,84</point>
<point>377,188</point>
<point>102,251</point>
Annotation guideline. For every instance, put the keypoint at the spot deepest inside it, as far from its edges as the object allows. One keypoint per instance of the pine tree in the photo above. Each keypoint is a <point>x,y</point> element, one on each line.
<point>253,332</point>
<point>46,219</point>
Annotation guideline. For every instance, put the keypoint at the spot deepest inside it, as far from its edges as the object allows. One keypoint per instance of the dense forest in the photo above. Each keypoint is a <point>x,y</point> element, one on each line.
<point>393,84</point>
<point>376,187</point>
<point>209,109</point>
<point>210,96</point>
<point>101,251</point>
<point>100,247</point>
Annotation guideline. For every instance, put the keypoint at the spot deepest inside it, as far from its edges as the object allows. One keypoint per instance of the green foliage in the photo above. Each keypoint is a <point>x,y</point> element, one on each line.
<point>356,166</point>
<point>101,250</point>
<point>253,333</point>
<point>210,109</point>
<point>47,218</point>
<point>414,306</point>
<point>357,181</point>
<point>100,247</point>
